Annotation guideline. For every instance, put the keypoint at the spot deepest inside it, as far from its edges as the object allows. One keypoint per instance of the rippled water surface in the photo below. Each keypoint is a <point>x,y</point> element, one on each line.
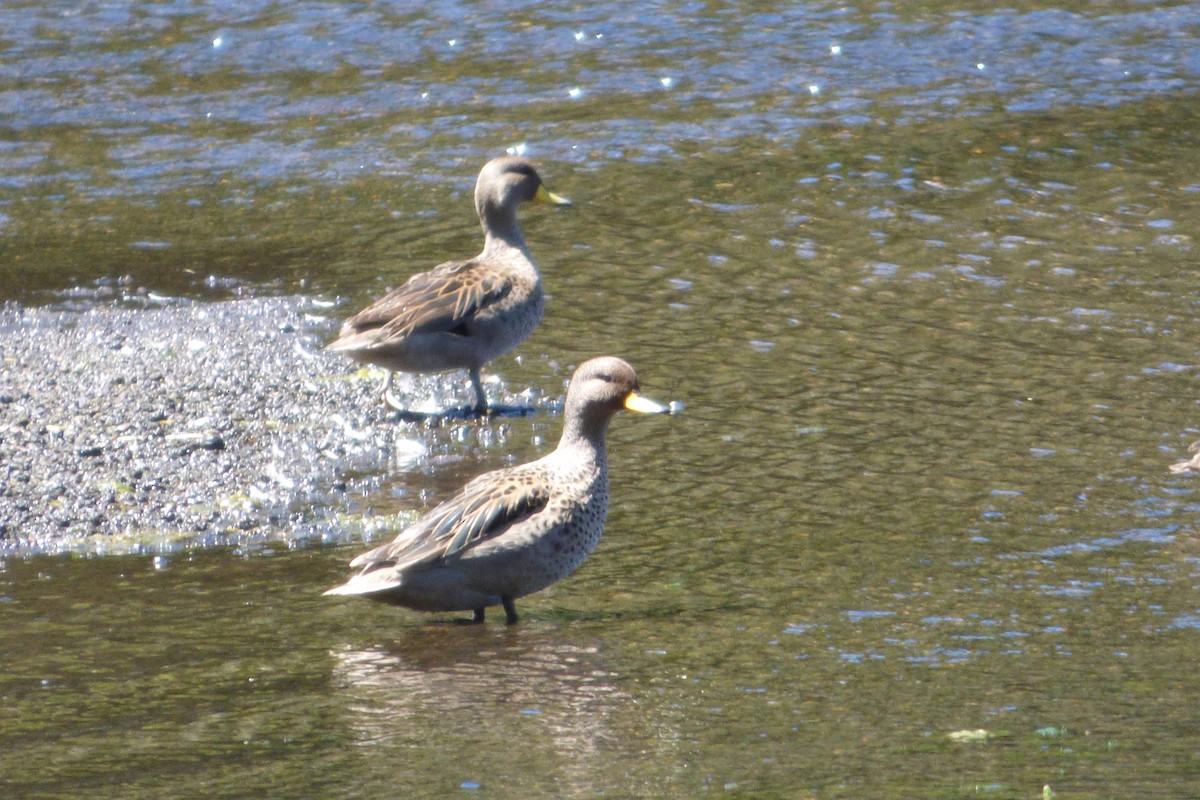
<point>923,275</point>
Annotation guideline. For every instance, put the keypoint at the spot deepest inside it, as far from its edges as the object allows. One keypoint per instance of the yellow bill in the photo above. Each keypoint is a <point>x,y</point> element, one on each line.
<point>642,405</point>
<point>544,195</point>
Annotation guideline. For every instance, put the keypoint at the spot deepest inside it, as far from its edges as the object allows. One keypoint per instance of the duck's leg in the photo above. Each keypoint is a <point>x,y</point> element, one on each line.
<point>481,404</point>
<point>476,618</point>
<point>510,610</point>
<point>388,397</point>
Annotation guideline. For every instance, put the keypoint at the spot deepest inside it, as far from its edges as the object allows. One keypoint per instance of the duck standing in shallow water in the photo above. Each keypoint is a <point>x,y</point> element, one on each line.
<point>517,530</point>
<point>461,314</point>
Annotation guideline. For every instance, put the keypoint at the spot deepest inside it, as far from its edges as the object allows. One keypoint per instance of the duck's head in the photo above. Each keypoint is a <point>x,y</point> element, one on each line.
<point>506,182</point>
<point>599,389</point>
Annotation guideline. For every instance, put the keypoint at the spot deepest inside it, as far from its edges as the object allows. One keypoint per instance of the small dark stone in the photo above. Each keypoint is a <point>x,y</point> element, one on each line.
<point>91,450</point>
<point>212,441</point>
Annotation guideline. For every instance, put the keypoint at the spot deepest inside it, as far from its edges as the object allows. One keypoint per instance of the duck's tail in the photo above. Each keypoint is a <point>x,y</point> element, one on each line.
<point>372,582</point>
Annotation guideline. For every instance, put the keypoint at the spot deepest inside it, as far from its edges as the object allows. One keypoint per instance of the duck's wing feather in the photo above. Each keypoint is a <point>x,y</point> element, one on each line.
<point>484,508</point>
<point>443,299</point>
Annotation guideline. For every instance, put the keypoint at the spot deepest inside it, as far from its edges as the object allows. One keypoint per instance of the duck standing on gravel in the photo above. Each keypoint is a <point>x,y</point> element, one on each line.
<point>461,314</point>
<point>517,530</point>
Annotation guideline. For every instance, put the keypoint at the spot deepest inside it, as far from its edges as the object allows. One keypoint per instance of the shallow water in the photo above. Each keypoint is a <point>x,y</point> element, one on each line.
<point>922,275</point>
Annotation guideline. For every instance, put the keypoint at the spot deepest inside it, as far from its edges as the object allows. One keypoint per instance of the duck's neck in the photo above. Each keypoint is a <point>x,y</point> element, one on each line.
<point>500,229</point>
<point>586,436</point>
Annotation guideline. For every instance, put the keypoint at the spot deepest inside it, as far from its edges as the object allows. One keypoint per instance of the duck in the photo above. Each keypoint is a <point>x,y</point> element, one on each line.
<point>514,531</point>
<point>463,313</point>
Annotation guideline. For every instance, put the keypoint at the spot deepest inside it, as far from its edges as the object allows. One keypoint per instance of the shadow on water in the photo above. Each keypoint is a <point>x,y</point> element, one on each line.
<point>549,693</point>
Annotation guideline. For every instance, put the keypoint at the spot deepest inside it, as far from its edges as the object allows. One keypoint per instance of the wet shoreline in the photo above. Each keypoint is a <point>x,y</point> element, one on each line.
<point>187,424</point>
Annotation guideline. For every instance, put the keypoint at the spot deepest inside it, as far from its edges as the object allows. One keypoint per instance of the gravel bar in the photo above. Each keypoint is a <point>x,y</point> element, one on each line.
<point>183,424</point>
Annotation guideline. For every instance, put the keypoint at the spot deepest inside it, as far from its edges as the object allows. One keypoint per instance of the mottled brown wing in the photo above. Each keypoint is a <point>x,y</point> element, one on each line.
<point>443,299</point>
<point>484,508</point>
